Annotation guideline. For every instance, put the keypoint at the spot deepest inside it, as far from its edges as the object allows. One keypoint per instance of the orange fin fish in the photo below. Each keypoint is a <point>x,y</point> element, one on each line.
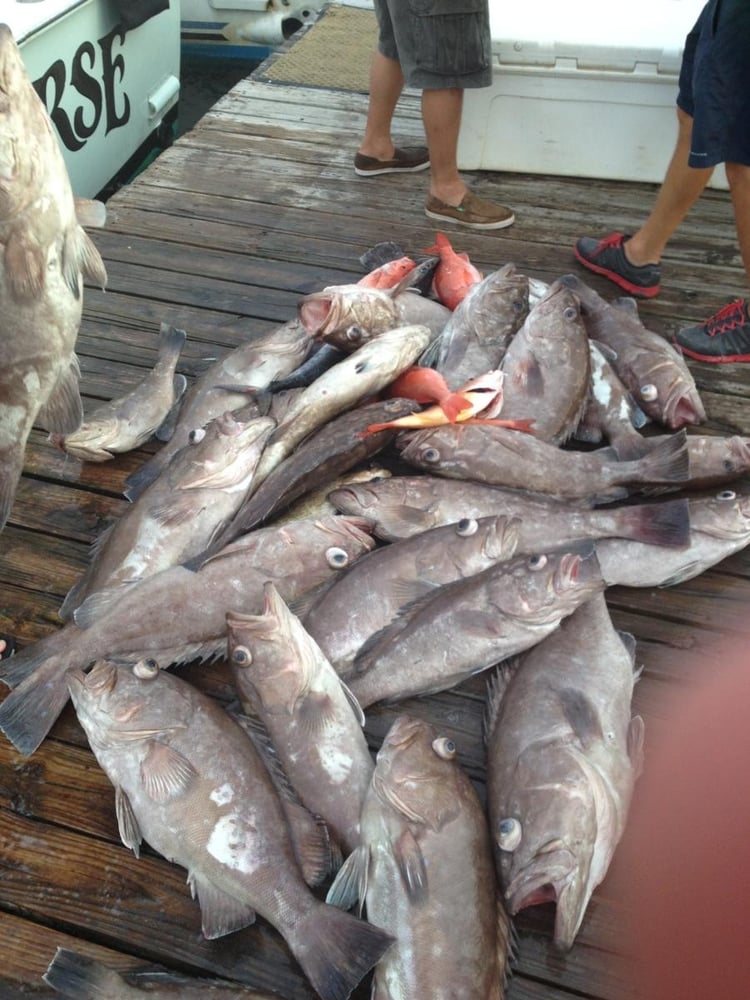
<point>454,275</point>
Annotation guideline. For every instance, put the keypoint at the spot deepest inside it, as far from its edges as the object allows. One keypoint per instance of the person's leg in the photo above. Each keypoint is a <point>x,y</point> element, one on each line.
<point>738,176</point>
<point>441,114</point>
<point>386,84</point>
<point>681,188</point>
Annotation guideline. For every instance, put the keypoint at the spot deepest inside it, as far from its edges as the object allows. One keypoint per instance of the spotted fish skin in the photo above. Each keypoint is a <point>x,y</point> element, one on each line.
<point>44,256</point>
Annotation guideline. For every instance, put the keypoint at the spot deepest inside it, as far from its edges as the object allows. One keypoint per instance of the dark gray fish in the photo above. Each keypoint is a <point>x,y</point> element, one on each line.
<point>314,724</point>
<point>502,457</point>
<point>177,516</point>
<point>649,366</point>
<point>404,506</point>
<point>547,367</point>
<point>424,873</point>
<point>563,754</point>
<point>480,328</point>
<point>393,577</point>
<point>714,460</point>
<point>467,626</point>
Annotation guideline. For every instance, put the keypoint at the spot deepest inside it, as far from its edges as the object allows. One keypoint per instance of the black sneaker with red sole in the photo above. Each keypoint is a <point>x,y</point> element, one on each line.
<point>723,338</point>
<point>607,257</point>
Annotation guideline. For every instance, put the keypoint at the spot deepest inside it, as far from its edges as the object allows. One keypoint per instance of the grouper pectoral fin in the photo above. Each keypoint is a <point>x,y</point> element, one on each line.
<point>127,824</point>
<point>63,411</point>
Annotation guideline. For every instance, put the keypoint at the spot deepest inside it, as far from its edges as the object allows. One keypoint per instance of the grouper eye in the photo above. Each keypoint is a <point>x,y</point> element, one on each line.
<point>570,312</point>
<point>509,834</point>
<point>431,455</point>
<point>649,393</point>
<point>242,656</point>
<point>337,558</point>
<point>444,748</point>
<point>196,436</point>
<point>726,495</point>
<point>146,669</point>
<point>537,562</point>
<point>466,527</point>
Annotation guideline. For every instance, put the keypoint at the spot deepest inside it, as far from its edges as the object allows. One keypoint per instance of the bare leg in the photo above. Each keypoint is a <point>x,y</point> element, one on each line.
<point>386,84</point>
<point>441,114</point>
<point>738,175</point>
<point>681,188</point>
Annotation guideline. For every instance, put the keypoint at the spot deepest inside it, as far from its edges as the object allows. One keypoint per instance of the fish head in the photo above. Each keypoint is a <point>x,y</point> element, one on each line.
<point>726,515</point>
<point>127,704</point>
<point>347,316</point>
<point>90,443</point>
<point>264,654</point>
<point>547,586</point>
<point>224,454</point>
<point>546,840</point>
<point>416,773</point>
<point>498,304</point>
<point>557,313</point>
<point>669,394</point>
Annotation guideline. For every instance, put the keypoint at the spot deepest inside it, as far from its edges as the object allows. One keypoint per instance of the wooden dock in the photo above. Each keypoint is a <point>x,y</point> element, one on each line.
<point>220,236</point>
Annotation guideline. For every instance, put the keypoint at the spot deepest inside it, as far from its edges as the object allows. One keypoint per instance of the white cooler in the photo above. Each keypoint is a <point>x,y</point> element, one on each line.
<point>582,88</point>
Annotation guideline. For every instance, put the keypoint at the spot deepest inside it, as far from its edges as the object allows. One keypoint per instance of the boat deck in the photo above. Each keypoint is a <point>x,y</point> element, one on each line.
<point>220,236</point>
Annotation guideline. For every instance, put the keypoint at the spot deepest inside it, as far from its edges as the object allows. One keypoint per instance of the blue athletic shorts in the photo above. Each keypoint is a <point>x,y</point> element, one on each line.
<point>715,84</point>
<point>438,43</point>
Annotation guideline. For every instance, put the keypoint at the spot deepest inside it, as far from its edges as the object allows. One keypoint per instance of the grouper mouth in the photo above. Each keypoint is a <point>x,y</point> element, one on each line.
<point>552,877</point>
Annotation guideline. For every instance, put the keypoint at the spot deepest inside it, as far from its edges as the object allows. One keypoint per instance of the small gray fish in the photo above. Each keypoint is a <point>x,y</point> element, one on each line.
<point>127,422</point>
<point>547,367</point>
<point>649,366</point>
<point>563,755</point>
<point>79,977</point>
<point>480,328</point>
<point>405,506</point>
<point>502,457</point>
<point>177,516</point>
<point>190,783</point>
<point>44,256</point>
<point>467,626</point>
<point>424,873</point>
<point>314,723</point>
<point>224,386</point>
<point>177,615</point>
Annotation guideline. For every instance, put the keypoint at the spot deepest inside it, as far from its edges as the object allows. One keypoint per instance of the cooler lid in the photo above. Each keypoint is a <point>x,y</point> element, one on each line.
<point>594,34</point>
<point>24,17</point>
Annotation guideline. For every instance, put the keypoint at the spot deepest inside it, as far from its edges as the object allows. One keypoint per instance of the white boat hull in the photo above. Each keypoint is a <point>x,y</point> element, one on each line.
<point>110,93</point>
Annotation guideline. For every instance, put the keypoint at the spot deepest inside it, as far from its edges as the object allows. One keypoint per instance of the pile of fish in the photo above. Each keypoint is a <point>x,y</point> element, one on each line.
<point>484,541</point>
